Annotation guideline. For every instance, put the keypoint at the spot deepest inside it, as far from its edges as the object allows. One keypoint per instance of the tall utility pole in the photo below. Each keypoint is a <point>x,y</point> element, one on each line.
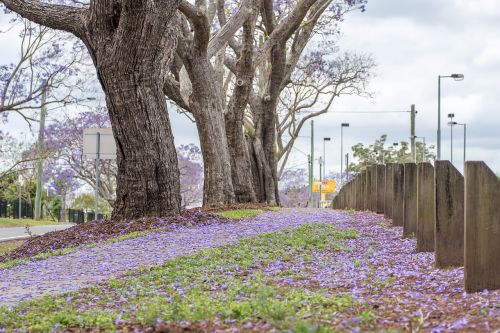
<point>321,184</point>
<point>39,163</point>
<point>309,167</point>
<point>312,161</point>
<point>412,133</point>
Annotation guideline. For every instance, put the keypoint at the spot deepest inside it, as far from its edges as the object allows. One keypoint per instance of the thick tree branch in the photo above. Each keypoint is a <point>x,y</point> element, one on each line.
<point>59,17</point>
<point>228,30</point>
<point>200,25</point>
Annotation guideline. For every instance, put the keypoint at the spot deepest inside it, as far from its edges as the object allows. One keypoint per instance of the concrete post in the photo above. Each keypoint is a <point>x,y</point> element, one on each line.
<point>370,175</point>
<point>373,189</point>
<point>425,207</point>
<point>482,228</point>
<point>363,190</point>
<point>410,200</point>
<point>449,228</point>
<point>380,188</point>
<point>398,194</point>
<point>389,175</point>
<point>360,190</point>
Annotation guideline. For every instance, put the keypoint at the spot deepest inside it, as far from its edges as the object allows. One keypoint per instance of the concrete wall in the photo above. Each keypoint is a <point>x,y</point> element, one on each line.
<point>425,207</point>
<point>482,228</point>
<point>410,200</point>
<point>449,227</point>
<point>398,195</point>
<point>380,188</point>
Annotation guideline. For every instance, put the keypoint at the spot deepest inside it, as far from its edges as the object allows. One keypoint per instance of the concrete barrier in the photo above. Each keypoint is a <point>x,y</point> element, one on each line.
<point>398,195</point>
<point>373,194</point>
<point>380,188</point>
<point>369,187</point>
<point>361,189</point>
<point>425,207</point>
<point>482,228</point>
<point>410,200</point>
<point>388,201</point>
<point>449,227</point>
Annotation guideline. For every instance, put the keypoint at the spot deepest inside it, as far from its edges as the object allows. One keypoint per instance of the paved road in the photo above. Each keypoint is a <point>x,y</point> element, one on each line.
<point>14,232</point>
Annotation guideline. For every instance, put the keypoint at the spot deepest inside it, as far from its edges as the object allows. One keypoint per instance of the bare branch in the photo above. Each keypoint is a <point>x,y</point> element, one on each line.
<point>59,17</point>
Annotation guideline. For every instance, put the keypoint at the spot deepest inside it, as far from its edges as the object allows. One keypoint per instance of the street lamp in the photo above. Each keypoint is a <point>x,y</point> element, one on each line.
<point>456,77</point>
<point>324,155</point>
<point>342,150</point>
<point>451,116</point>
<point>465,136</point>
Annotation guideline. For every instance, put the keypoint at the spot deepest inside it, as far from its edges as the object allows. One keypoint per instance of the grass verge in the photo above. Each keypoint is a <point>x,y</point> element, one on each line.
<point>239,213</point>
<point>229,283</point>
<point>6,222</point>
<point>9,246</point>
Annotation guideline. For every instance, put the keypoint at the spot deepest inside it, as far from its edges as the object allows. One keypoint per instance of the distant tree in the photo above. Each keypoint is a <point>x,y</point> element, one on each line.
<point>191,170</point>
<point>86,202</point>
<point>64,148</point>
<point>293,188</point>
<point>12,159</point>
<point>377,153</point>
<point>317,83</point>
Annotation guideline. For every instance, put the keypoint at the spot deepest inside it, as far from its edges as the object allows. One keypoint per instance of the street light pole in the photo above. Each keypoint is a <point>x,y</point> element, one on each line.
<point>342,150</point>
<point>451,116</point>
<point>456,77</point>
<point>324,156</point>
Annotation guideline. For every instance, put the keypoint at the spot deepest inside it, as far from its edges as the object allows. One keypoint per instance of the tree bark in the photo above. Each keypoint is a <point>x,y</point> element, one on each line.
<point>206,105</point>
<point>241,170</point>
<point>148,175</point>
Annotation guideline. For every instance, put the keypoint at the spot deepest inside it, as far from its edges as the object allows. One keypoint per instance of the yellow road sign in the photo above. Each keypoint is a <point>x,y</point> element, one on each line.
<point>327,186</point>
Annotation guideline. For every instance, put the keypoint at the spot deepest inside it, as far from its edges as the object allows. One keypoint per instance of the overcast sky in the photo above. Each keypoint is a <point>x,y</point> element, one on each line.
<point>413,42</point>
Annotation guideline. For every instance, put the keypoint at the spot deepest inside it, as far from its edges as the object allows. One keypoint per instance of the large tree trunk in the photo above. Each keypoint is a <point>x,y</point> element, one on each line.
<point>265,184</point>
<point>130,50</point>
<point>241,169</point>
<point>148,175</point>
<point>207,108</point>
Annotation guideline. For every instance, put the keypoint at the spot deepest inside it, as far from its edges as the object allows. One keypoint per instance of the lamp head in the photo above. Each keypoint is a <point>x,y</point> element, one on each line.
<point>457,77</point>
<point>451,115</point>
<point>327,139</point>
<point>345,125</point>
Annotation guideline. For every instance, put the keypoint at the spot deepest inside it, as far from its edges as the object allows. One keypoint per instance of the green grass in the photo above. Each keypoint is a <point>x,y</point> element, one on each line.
<point>9,246</point>
<point>6,222</point>
<point>228,282</point>
<point>240,213</point>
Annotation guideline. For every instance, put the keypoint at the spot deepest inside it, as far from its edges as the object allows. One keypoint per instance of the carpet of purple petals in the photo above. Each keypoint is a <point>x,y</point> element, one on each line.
<point>401,288</point>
